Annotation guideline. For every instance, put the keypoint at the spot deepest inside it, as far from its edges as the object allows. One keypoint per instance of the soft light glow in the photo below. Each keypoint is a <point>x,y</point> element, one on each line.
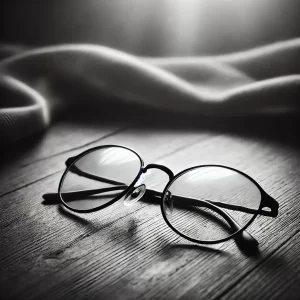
<point>208,173</point>
<point>112,156</point>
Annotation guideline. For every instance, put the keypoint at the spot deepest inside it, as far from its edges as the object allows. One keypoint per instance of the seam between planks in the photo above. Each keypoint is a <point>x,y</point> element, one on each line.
<point>78,147</point>
<point>258,265</point>
<point>82,237</point>
<point>30,183</point>
<point>59,153</point>
<point>187,145</point>
<point>93,142</point>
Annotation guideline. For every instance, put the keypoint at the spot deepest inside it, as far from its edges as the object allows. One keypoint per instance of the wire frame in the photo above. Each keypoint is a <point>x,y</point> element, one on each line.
<point>266,201</point>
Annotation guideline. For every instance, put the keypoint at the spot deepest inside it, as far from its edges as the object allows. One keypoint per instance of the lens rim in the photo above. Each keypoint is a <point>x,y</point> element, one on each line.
<point>230,236</point>
<point>84,153</point>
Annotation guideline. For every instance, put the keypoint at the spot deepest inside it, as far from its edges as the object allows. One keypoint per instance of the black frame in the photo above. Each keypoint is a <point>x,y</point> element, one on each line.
<point>266,200</point>
<point>70,161</point>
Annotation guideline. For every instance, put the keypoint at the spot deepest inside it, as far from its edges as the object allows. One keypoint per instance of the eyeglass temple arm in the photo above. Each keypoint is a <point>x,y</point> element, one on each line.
<point>243,237</point>
<point>267,200</point>
<point>191,201</point>
<point>83,193</point>
<point>246,237</point>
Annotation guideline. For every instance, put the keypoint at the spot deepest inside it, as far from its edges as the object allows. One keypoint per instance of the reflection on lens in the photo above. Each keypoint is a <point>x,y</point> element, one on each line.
<point>207,202</point>
<point>98,177</point>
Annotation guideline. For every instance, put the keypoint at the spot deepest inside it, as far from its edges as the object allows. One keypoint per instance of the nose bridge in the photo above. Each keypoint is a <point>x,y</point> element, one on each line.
<point>160,167</point>
<point>139,189</point>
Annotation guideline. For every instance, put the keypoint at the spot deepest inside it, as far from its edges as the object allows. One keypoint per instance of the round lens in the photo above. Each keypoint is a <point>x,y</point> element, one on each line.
<point>98,177</point>
<point>211,203</point>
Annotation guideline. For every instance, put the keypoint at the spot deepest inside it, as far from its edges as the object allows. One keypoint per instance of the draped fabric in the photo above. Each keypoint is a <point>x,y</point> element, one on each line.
<point>259,81</point>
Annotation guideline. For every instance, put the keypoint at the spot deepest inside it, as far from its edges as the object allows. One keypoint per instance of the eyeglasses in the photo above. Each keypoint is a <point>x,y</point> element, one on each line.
<point>205,204</point>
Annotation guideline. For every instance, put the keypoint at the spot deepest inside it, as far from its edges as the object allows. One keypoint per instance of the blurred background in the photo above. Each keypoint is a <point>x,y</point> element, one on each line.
<point>152,27</point>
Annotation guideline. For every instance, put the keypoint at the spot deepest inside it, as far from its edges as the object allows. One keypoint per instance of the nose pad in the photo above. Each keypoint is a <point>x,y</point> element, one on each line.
<point>168,203</point>
<point>135,195</point>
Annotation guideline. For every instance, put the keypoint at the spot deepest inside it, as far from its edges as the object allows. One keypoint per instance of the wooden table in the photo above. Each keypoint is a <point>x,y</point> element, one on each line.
<point>129,252</point>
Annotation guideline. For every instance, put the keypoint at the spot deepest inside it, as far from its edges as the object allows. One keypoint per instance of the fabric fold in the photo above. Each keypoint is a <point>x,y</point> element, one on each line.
<point>32,84</point>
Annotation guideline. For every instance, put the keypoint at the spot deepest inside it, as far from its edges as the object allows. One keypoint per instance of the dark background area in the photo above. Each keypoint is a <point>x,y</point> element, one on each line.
<point>152,27</point>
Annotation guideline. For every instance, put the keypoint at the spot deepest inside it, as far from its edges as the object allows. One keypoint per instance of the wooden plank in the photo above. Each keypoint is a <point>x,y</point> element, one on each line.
<point>242,155</point>
<point>277,277</point>
<point>131,138</point>
<point>108,254</point>
<point>65,139</point>
<point>18,173</point>
<point>16,168</point>
<point>172,257</point>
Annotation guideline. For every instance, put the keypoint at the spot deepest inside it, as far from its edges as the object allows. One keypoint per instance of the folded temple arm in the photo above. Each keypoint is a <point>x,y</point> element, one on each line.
<point>74,195</point>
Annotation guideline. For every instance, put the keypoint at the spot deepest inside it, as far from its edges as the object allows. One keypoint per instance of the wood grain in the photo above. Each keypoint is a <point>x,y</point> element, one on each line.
<point>129,252</point>
<point>277,277</point>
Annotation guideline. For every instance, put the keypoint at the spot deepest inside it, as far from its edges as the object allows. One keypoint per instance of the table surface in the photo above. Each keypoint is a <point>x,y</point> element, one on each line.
<point>129,252</point>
